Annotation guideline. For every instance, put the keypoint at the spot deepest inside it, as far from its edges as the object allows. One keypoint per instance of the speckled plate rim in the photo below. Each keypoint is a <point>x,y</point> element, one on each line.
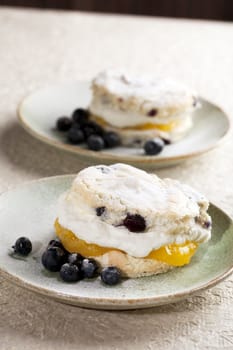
<point>111,303</point>
<point>114,304</point>
<point>85,153</point>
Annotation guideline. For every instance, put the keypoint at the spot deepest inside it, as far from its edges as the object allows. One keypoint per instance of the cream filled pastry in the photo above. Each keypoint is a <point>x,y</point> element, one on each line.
<point>125,217</point>
<point>140,109</point>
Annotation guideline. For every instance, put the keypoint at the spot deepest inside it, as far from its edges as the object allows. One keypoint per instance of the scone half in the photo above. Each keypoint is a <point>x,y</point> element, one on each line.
<point>141,108</point>
<point>122,216</point>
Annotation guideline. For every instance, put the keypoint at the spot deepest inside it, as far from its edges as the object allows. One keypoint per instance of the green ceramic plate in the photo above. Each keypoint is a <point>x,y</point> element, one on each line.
<point>39,111</point>
<point>30,211</point>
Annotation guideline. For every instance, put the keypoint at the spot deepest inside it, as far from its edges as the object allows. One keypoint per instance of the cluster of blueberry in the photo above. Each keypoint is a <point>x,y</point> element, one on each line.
<point>72,267</point>
<point>80,129</point>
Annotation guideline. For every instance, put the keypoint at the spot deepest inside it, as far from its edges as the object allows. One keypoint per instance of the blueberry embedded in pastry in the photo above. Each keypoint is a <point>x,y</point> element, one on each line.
<point>140,109</point>
<point>124,217</point>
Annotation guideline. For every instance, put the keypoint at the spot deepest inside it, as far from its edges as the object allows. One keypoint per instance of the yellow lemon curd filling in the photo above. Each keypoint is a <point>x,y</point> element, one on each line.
<point>172,254</point>
<point>147,126</point>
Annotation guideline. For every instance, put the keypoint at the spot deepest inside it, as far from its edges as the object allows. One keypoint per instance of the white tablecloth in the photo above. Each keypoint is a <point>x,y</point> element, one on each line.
<point>38,48</point>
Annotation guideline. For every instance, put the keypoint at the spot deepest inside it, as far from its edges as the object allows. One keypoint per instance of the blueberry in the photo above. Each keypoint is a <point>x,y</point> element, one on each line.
<point>111,139</point>
<point>89,268</point>
<point>80,116</point>
<point>100,211</point>
<point>95,143</point>
<point>53,258</point>
<point>153,147</point>
<point>70,273</point>
<point>204,223</point>
<point>153,112</point>
<point>135,223</point>
<point>92,128</point>
<point>207,224</point>
<point>75,259</point>
<point>110,275</point>
<point>63,123</point>
<point>75,136</point>
<point>23,246</point>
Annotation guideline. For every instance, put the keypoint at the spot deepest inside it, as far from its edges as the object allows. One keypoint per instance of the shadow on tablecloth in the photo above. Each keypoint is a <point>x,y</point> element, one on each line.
<point>33,156</point>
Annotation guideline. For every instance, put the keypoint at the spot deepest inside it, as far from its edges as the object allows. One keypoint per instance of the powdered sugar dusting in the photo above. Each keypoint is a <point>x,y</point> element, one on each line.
<point>159,92</point>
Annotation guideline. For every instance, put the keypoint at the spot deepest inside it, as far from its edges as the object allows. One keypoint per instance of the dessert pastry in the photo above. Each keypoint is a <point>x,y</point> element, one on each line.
<point>141,109</point>
<point>124,217</point>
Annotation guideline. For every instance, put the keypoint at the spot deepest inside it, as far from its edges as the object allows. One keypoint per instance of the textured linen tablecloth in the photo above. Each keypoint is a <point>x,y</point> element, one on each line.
<point>38,48</point>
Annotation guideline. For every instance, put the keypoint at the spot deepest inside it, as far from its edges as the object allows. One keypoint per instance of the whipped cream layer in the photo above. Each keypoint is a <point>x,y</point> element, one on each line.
<point>123,101</point>
<point>123,119</point>
<point>174,213</point>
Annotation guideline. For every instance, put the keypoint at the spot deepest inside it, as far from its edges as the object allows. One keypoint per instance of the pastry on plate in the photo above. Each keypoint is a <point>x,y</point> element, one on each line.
<point>122,216</point>
<point>139,109</point>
